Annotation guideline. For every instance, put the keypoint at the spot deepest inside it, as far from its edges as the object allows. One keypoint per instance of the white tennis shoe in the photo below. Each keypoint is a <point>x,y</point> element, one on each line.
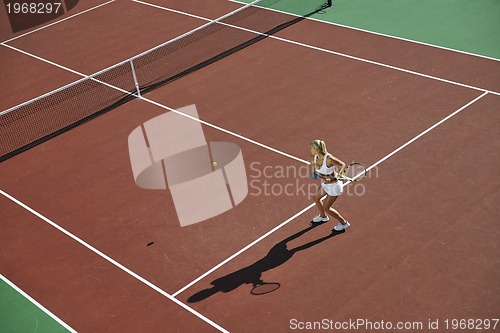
<point>320,218</point>
<point>340,226</point>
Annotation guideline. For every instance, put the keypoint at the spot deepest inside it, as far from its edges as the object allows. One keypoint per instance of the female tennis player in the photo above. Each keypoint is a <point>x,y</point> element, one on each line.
<point>323,166</point>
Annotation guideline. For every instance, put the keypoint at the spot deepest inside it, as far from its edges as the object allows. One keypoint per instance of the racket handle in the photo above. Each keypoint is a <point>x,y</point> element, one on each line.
<point>314,175</point>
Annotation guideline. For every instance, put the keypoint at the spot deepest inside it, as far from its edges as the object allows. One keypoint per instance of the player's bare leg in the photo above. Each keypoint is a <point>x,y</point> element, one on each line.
<point>322,217</point>
<point>327,207</point>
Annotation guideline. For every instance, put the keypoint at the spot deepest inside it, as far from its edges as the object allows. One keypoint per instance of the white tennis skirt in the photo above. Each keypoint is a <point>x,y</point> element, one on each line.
<point>333,189</point>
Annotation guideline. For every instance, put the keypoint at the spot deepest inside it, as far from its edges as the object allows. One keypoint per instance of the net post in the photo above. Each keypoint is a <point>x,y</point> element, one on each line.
<point>135,78</point>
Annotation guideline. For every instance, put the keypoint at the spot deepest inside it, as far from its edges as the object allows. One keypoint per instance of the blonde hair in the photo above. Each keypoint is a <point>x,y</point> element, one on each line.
<point>320,145</point>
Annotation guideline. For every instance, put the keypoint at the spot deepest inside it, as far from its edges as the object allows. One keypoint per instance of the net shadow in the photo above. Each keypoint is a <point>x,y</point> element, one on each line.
<point>261,36</point>
<point>37,121</point>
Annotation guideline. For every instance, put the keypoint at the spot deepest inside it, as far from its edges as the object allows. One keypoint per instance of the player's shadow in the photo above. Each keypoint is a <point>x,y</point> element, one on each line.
<point>278,255</point>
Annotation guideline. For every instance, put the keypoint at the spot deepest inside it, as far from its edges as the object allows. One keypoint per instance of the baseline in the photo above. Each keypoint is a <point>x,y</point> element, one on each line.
<point>38,305</point>
<point>385,35</point>
<point>114,262</point>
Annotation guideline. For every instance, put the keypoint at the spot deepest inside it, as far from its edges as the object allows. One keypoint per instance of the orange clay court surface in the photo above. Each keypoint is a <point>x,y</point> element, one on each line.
<point>423,242</point>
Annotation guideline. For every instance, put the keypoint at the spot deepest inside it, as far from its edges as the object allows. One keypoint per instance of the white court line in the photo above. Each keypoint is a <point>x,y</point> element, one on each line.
<point>224,130</point>
<point>206,19</point>
<point>285,40</point>
<point>172,297</point>
<point>383,35</point>
<point>117,64</point>
<point>427,130</point>
<point>242,250</point>
<point>56,22</point>
<point>326,50</point>
<point>114,262</point>
<point>312,205</point>
<point>164,107</point>
<point>199,120</point>
<point>44,60</point>
<point>40,306</point>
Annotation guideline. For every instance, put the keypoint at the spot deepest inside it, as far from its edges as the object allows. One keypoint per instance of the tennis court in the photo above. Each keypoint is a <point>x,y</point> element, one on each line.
<point>86,246</point>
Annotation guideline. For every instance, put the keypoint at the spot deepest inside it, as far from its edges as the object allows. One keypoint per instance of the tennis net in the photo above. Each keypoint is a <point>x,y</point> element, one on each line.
<point>49,115</point>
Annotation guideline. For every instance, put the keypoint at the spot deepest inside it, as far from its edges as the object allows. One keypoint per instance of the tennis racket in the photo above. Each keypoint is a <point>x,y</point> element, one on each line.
<point>354,172</point>
<point>264,288</point>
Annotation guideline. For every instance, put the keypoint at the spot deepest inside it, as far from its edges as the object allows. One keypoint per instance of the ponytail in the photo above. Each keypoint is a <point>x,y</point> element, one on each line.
<point>321,145</point>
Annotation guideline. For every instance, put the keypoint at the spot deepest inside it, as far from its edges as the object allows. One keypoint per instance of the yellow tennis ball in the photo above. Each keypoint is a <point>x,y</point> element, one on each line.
<point>214,164</point>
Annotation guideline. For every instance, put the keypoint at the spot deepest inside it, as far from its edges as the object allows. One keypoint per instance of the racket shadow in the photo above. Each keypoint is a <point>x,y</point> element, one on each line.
<point>278,255</point>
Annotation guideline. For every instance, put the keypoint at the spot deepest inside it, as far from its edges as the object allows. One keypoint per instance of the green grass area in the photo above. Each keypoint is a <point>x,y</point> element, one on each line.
<point>467,25</point>
<point>19,315</point>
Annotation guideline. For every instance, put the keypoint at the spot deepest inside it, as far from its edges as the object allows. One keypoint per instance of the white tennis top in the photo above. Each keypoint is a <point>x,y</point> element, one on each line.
<point>324,170</point>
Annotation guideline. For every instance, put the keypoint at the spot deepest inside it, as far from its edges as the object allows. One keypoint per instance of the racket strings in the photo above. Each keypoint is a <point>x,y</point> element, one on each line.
<point>265,288</point>
<point>355,172</point>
